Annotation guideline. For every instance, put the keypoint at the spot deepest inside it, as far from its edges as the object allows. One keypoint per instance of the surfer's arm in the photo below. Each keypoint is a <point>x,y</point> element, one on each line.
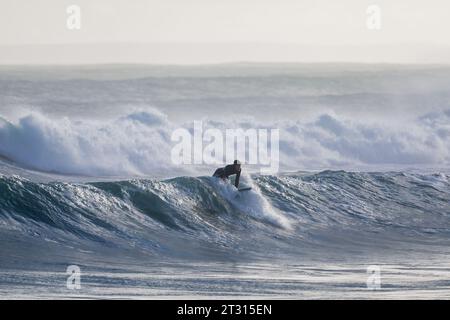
<point>236,181</point>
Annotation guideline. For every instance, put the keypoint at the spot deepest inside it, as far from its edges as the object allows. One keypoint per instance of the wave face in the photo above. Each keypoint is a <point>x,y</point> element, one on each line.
<point>331,213</point>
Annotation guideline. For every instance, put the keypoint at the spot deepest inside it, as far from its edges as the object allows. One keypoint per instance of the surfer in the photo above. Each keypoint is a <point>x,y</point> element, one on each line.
<point>229,170</point>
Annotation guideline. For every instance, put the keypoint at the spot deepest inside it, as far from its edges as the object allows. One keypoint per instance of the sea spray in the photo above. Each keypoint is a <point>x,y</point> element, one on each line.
<point>252,202</point>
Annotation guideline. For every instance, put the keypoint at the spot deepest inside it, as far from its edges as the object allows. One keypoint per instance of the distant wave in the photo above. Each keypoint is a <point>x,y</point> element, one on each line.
<point>138,143</point>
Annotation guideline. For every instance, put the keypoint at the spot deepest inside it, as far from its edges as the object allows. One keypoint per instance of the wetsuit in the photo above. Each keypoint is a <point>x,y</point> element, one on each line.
<point>229,170</point>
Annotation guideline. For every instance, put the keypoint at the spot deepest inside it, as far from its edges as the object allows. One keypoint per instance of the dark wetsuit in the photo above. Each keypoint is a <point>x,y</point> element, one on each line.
<point>229,170</point>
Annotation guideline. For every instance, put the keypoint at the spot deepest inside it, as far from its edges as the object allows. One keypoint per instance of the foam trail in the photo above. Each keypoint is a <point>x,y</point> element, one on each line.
<point>252,202</point>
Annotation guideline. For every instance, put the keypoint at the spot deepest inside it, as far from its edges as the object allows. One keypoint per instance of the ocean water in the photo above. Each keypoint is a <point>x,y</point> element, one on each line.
<point>86,179</point>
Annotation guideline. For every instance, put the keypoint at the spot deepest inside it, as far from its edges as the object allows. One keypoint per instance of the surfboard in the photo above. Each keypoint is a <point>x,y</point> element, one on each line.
<point>245,189</point>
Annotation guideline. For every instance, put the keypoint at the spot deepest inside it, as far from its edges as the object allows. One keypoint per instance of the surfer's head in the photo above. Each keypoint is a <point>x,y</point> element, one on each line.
<point>237,164</point>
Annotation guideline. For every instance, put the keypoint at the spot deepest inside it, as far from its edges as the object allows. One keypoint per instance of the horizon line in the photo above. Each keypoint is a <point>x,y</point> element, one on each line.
<point>225,63</point>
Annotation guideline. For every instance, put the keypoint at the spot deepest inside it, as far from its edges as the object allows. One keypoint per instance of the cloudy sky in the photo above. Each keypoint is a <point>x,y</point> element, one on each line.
<point>218,31</point>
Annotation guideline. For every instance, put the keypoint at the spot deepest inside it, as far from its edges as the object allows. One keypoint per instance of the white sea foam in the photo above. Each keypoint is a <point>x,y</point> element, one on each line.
<point>138,143</point>
<point>134,144</point>
<point>252,202</point>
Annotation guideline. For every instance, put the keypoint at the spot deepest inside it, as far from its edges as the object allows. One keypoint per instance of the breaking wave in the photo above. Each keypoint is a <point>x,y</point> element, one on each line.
<point>139,144</point>
<point>294,214</point>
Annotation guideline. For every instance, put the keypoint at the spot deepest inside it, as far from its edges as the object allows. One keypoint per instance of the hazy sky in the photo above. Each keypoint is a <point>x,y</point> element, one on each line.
<point>312,23</point>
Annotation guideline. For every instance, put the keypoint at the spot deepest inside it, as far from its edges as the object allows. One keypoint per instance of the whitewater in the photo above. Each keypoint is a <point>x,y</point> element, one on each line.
<point>86,179</point>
